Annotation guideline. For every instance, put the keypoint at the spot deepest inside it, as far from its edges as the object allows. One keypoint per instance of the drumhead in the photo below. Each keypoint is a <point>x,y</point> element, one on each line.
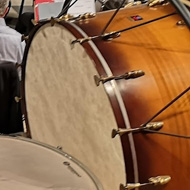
<point>65,107</point>
<point>27,164</point>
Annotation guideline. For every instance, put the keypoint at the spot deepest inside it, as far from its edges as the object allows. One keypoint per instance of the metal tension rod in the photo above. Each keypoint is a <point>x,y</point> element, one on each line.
<point>168,105</point>
<point>168,134</point>
<point>115,34</point>
<point>152,127</point>
<point>117,10</point>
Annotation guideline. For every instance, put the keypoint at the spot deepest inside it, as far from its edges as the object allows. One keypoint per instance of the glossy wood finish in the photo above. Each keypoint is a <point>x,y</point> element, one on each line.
<point>162,50</point>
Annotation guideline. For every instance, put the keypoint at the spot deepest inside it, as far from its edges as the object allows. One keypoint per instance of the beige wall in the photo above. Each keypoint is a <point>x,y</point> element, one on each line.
<point>18,2</point>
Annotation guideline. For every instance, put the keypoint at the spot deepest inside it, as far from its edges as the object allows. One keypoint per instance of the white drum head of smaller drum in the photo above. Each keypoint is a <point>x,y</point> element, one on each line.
<point>28,165</point>
<point>65,108</point>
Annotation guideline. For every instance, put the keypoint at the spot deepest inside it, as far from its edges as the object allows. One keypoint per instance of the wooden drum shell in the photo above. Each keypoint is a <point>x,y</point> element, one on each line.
<point>162,50</point>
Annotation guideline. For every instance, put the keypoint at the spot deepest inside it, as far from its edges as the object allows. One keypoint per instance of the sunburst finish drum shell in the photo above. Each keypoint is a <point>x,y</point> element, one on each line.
<point>63,106</point>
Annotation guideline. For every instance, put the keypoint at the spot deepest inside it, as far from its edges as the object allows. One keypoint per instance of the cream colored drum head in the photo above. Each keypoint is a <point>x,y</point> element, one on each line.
<point>65,108</point>
<point>28,165</point>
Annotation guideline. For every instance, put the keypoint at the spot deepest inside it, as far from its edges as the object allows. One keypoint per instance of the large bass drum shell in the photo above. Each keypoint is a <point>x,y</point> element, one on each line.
<point>59,89</point>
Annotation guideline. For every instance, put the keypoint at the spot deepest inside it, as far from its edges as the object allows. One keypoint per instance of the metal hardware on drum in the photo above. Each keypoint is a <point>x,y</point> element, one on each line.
<point>183,10</point>
<point>66,17</point>
<point>34,22</point>
<point>110,36</point>
<point>86,16</point>
<point>126,76</point>
<point>17,99</point>
<point>66,5</point>
<point>82,40</point>
<point>112,17</point>
<point>152,3</point>
<point>186,2</point>
<point>107,36</point>
<point>133,3</point>
<point>71,168</point>
<point>23,37</point>
<point>168,105</point>
<point>181,23</point>
<point>154,126</point>
<point>52,21</point>
<point>69,17</point>
<point>18,65</point>
<point>59,147</point>
<point>159,180</point>
<point>117,33</point>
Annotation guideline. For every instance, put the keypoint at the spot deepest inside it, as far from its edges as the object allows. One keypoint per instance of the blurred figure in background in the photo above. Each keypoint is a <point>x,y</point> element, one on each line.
<point>24,24</point>
<point>11,53</point>
<point>11,47</point>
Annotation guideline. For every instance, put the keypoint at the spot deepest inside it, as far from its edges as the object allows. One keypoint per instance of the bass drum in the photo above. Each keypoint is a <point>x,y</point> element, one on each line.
<point>64,107</point>
<point>27,164</point>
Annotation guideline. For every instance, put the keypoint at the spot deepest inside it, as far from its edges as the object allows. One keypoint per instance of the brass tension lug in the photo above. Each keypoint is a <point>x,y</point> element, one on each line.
<point>59,147</point>
<point>86,16</point>
<point>181,23</point>
<point>153,3</point>
<point>52,21</point>
<point>24,38</point>
<point>111,35</point>
<point>154,125</point>
<point>34,22</point>
<point>151,126</point>
<point>129,186</point>
<point>66,17</point>
<point>126,76</point>
<point>17,99</point>
<point>159,180</point>
<point>81,40</point>
<point>18,65</point>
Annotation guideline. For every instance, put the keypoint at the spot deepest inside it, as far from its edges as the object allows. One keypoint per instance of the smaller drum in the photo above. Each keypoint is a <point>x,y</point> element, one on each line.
<point>29,165</point>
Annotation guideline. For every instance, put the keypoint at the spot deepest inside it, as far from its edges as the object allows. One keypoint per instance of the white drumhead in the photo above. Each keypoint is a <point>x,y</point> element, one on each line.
<point>65,107</point>
<point>28,165</point>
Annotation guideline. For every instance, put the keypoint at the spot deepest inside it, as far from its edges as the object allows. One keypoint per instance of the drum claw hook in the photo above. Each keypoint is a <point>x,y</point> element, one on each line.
<point>154,126</point>
<point>111,35</point>
<point>81,40</point>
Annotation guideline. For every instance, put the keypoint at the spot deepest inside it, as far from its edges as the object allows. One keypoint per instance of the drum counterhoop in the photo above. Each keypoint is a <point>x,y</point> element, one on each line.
<point>65,107</point>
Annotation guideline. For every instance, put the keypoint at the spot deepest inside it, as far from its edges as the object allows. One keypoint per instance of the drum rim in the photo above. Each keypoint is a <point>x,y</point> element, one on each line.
<point>24,63</point>
<point>119,100</point>
<point>93,178</point>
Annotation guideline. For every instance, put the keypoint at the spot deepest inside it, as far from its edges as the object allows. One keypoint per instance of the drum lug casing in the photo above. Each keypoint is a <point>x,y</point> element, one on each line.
<point>159,180</point>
